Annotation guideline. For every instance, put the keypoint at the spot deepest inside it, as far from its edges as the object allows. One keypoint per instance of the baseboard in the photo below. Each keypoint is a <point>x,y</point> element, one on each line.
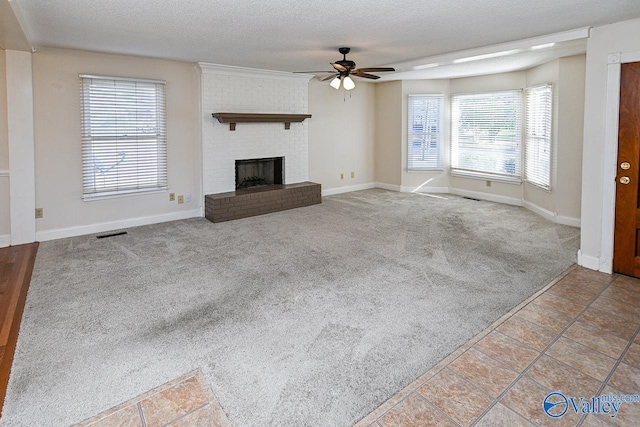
<point>61,233</point>
<point>422,189</point>
<point>567,220</point>
<point>588,261</point>
<point>551,216</point>
<point>544,213</point>
<point>348,189</point>
<point>486,196</point>
<point>390,187</point>
<point>5,240</point>
<point>606,266</point>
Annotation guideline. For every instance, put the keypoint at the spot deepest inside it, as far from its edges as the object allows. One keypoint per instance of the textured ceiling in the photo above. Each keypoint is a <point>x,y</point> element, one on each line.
<point>304,35</point>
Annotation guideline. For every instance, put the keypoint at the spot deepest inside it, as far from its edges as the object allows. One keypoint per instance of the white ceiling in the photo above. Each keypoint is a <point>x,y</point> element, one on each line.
<point>304,35</point>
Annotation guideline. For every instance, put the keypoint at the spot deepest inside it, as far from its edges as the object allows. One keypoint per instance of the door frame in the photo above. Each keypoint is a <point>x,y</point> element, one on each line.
<point>610,158</point>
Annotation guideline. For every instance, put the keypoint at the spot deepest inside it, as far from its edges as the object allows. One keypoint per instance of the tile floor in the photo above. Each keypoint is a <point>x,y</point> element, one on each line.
<point>185,401</point>
<point>579,336</point>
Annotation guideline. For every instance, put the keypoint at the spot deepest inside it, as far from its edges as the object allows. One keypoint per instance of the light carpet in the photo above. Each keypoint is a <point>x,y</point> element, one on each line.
<point>307,317</point>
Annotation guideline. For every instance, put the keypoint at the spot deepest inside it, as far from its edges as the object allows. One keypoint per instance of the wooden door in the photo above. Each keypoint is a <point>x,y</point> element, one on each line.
<point>626,253</point>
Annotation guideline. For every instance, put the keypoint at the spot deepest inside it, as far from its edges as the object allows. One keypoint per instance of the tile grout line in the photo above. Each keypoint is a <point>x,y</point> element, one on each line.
<point>144,422</point>
<point>137,401</point>
<point>493,327</point>
<point>613,369</point>
<point>539,356</point>
<point>186,414</point>
<point>457,424</point>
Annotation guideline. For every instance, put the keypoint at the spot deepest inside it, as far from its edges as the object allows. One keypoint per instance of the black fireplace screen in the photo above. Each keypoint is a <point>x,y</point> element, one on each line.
<point>259,172</point>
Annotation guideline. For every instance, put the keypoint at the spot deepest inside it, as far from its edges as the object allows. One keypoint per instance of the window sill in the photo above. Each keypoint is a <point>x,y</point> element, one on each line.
<point>424,170</point>
<point>487,177</point>
<point>91,198</point>
<point>539,187</point>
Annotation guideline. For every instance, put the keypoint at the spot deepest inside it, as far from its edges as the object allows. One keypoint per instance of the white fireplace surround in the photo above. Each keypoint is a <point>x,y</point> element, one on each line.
<point>244,90</point>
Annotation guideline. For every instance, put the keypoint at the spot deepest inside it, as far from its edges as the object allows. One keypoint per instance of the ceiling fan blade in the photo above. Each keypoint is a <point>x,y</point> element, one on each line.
<point>313,72</point>
<point>378,69</point>
<point>339,67</point>
<point>329,77</point>
<point>359,73</point>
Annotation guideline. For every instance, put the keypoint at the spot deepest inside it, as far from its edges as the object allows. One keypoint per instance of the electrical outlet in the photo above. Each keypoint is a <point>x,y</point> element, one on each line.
<point>39,213</point>
<point>172,197</point>
<point>353,174</point>
<point>341,176</point>
<point>180,200</point>
<point>187,198</point>
<point>488,183</point>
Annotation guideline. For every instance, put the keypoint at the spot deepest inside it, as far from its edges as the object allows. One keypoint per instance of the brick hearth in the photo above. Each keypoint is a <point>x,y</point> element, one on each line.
<point>251,202</point>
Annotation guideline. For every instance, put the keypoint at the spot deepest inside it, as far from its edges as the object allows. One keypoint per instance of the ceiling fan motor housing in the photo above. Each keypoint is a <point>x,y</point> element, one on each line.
<point>349,65</point>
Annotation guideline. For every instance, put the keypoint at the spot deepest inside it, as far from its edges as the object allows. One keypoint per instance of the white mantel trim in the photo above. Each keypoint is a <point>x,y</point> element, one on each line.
<point>231,70</point>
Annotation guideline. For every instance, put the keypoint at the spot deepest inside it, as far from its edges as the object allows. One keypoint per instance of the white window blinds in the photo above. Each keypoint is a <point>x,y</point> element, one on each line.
<point>539,100</point>
<point>124,138</point>
<point>486,134</point>
<point>424,134</point>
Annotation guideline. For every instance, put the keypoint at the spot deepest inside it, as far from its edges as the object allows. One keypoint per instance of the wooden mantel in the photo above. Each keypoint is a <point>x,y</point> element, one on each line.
<point>233,118</point>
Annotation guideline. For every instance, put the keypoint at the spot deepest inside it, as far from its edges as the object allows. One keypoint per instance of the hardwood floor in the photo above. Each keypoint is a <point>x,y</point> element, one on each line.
<point>16,266</point>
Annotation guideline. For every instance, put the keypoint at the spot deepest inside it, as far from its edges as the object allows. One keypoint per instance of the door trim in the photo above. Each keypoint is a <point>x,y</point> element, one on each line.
<point>610,158</point>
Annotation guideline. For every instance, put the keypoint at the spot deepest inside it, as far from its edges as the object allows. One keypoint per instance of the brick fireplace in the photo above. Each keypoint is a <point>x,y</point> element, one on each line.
<point>268,186</point>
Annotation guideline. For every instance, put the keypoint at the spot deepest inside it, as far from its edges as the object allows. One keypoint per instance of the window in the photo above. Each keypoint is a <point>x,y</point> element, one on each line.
<point>124,139</point>
<point>424,134</point>
<point>537,143</point>
<point>486,135</point>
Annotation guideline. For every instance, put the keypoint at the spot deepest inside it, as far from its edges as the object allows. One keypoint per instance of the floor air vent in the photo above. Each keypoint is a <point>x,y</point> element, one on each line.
<point>104,236</point>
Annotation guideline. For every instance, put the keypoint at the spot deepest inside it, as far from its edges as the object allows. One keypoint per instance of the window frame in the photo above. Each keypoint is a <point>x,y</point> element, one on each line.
<point>106,122</point>
<point>546,139</point>
<point>411,134</point>
<point>517,140</point>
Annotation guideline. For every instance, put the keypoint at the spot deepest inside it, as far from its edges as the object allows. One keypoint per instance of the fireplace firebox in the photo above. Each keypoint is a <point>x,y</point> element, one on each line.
<point>259,172</point>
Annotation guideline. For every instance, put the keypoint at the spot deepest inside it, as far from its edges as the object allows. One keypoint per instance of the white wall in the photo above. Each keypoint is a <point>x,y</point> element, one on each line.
<point>388,135</point>
<point>236,90</point>
<point>597,235</point>
<point>5,238</point>
<point>57,143</point>
<point>341,136</point>
<point>570,124</point>
<point>20,132</point>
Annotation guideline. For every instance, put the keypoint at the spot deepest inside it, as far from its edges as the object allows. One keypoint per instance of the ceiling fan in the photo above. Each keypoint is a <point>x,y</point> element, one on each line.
<point>345,68</point>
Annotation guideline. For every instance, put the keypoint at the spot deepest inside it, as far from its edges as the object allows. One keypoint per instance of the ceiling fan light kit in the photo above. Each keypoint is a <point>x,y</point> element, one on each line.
<point>343,70</point>
<point>348,83</point>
